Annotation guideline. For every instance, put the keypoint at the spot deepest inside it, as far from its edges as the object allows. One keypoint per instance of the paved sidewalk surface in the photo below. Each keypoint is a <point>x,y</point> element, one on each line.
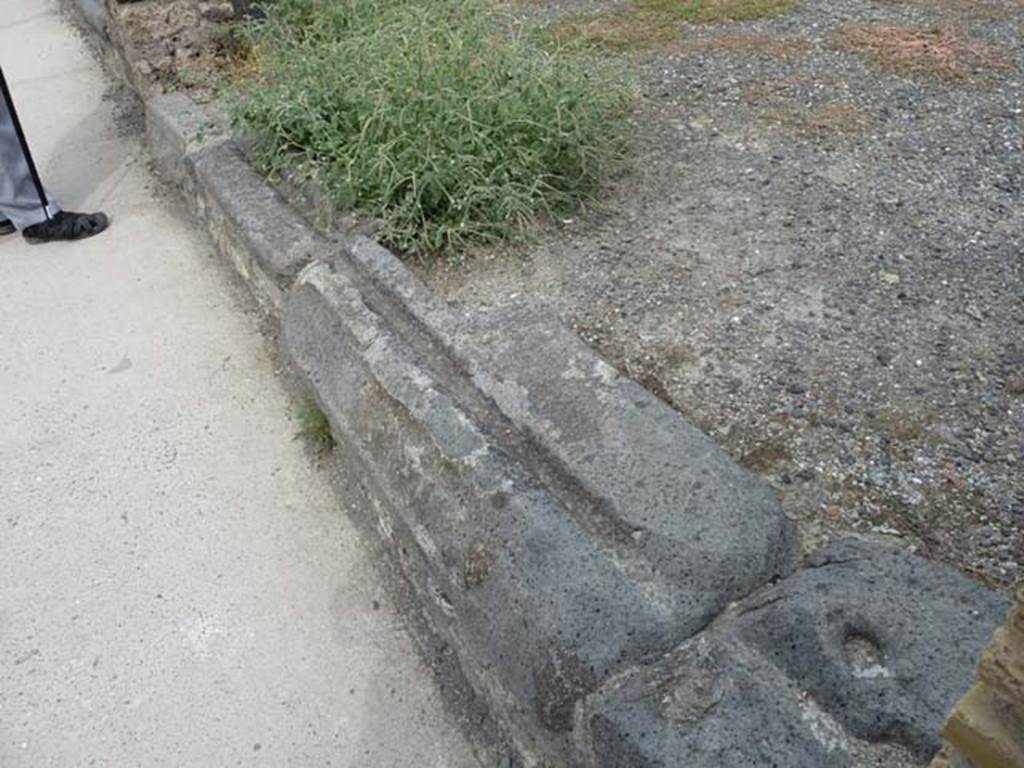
<point>177,584</point>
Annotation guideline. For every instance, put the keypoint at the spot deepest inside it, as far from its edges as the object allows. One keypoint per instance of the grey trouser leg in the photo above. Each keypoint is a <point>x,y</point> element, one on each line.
<point>23,199</point>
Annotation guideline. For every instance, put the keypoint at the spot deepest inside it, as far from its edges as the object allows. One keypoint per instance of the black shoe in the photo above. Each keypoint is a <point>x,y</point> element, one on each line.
<point>66,225</point>
<point>6,228</point>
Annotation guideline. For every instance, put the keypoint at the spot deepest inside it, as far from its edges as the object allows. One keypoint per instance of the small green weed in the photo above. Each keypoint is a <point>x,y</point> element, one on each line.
<point>314,426</point>
<point>423,114</point>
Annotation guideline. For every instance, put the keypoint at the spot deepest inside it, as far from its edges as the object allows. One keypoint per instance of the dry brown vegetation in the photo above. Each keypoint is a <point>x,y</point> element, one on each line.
<point>761,92</point>
<point>778,104</point>
<point>616,30</point>
<point>978,9</point>
<point>707,11</point>
<point>825,120</point>
<point>946,52</point>
<point>779,47</point>
<point>652,22</point>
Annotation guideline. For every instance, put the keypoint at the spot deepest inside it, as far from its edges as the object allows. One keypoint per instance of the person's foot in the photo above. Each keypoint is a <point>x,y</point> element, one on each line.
<point>66,225</point>
<point>6,227</point>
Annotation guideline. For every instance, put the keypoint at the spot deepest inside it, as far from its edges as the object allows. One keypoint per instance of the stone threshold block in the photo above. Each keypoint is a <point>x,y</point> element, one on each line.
<point>851,662</point>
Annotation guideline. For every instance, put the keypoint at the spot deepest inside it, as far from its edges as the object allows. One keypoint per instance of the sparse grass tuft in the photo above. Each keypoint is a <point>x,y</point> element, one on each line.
<point>422,114</point>
<point>944,52</point>
<point>314,426</point>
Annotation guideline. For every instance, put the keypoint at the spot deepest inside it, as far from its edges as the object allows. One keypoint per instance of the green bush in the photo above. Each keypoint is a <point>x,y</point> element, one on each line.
<point>423,114</point>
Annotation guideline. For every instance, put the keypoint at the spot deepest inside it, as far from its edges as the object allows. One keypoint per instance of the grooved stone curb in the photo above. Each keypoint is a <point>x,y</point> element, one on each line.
<point>267,241</point>
<point>176,128</point>
<point>546,577</point>
<point>572,539</point>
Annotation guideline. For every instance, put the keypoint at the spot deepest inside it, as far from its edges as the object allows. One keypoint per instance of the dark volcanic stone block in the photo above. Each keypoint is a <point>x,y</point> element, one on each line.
<point>867,645</point>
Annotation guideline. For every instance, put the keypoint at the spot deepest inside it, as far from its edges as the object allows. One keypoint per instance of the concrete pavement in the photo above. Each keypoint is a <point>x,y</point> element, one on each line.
<point>178,586</point>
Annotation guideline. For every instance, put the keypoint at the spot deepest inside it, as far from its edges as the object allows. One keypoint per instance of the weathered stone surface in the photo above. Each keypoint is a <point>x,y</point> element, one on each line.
<point>545,587</point>
<point>709,704</point>
<point>926,624</point>
<point>623,464</point>
<point>266,239</point>
<point>175,127</point>
<point>866,645</point>
<point>688,510</point>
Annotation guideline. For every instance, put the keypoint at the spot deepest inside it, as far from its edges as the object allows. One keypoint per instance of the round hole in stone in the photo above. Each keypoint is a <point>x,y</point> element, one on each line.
<point>865,657</point>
